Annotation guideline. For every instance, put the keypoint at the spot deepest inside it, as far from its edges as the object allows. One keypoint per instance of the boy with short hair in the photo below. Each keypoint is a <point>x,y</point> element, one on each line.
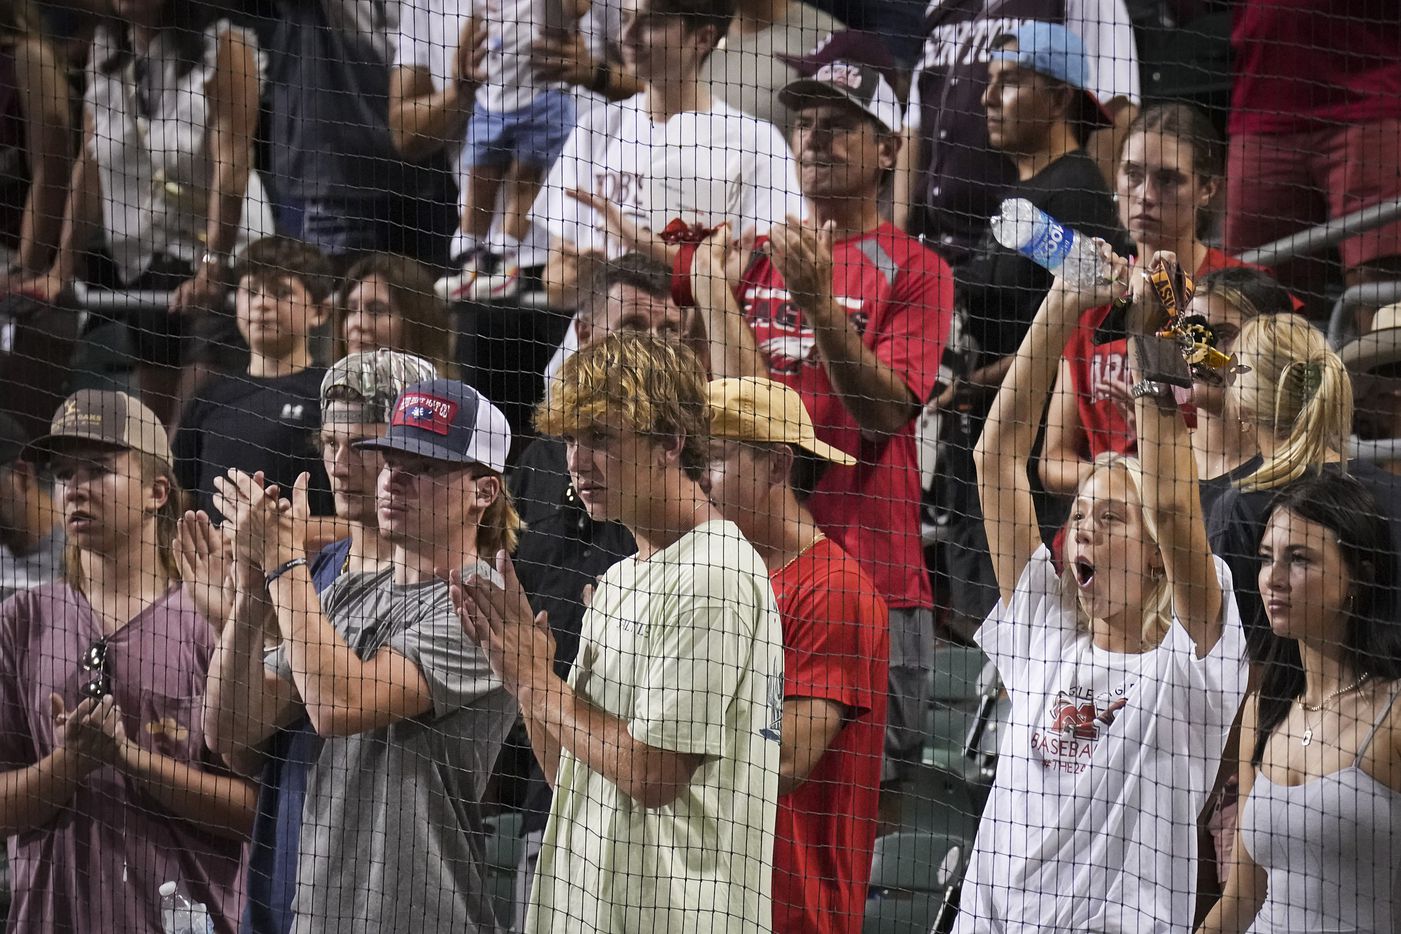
<point>667,727</point>
<point>267,418</point>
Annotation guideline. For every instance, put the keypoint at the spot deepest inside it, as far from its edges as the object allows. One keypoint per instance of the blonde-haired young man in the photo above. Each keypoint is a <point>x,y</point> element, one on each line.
<point>662,745</point>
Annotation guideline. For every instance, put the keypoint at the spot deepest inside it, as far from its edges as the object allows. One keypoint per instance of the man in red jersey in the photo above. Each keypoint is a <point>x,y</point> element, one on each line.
<point>853,314</point>
<point>835,650</point>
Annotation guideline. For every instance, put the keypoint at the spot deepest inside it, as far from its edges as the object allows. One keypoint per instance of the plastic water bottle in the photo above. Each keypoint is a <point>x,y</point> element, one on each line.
<point>1024,227</point>
<point>179,915</point>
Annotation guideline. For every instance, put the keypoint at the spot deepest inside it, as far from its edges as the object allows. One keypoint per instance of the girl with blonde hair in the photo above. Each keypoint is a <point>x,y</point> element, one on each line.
<point>1125,671</point>
<point>1293,393</point>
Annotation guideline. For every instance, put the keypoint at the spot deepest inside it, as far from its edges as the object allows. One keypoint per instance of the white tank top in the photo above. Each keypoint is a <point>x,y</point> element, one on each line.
<point>1330,849</point>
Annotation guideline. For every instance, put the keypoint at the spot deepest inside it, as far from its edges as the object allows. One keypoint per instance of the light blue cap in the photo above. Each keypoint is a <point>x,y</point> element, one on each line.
<point>1052,50</point>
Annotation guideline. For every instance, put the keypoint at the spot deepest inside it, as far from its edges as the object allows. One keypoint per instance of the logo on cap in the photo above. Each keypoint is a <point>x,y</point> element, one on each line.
<point>842,73</point>
<point>430,413</point>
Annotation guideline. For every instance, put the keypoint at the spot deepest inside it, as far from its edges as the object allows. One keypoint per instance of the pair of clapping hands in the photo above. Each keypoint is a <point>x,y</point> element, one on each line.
<point>801,249</point>
<point>261,529</point>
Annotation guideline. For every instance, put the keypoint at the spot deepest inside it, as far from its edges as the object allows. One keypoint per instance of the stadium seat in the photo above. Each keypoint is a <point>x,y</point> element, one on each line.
<point>942,801</point>
<point>911,873</point>
<point>956,674</point>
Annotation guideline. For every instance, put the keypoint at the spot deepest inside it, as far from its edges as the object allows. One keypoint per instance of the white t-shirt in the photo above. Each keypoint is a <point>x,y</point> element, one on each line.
<point>1104,768</point>
<point>429,32</point>
<point>707,167</point>
<point>687,648</point>
<point>1102,25</point>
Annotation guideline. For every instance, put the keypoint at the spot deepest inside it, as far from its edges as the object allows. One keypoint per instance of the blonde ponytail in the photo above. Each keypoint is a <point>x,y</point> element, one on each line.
<point>1297,390</point>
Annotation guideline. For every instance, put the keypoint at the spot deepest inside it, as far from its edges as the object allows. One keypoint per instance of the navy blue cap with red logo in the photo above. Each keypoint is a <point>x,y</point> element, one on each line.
<point>446,420</point>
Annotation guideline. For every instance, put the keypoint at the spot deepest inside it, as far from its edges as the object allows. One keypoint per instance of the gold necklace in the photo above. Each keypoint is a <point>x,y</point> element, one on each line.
<point>1307,738</point>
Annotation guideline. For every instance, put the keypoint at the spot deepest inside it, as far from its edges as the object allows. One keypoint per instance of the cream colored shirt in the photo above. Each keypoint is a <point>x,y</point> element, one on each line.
<point>686,647</point>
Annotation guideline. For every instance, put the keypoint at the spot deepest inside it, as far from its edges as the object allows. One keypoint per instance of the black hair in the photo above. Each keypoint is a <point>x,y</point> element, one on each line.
<point>276,256</point>
<point>697,14</point>
<point>1253,291</point>
<point>1372,637</point>
<point>642,272</point>
<point>182,21</point>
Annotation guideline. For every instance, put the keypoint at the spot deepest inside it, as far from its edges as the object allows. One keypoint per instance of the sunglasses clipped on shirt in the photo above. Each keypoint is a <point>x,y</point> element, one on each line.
<point>94,663</point>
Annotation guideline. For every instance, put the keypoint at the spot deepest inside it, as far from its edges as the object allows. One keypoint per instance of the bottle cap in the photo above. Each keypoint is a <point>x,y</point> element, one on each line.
<point>167,889</point>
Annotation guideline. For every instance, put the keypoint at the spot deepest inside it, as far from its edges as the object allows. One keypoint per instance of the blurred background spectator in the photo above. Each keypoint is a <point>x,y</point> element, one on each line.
<point>951,177</point>
<point>36,143</point>
<point>749,66</point>
<point>31,530</point>
<point>1315,131</point>
<point>338,180</point>
<point>388,302</point>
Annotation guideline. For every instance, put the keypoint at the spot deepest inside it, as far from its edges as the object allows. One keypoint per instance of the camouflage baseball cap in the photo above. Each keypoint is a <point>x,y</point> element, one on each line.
<point>103,417</point>
<point>363,386</point>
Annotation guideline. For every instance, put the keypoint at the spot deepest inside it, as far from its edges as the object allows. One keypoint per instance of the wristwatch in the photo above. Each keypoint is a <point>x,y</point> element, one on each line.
<point>1148,387</point>
<point>1160,393</point>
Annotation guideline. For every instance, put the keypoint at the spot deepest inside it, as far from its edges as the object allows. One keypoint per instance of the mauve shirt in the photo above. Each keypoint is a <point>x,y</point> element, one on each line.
<point>98,864</point>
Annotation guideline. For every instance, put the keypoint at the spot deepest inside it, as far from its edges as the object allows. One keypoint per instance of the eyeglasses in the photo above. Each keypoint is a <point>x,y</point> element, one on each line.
<point>95,664</point>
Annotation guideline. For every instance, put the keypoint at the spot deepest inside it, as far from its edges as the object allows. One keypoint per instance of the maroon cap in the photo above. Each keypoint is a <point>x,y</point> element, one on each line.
<point>848,45</point>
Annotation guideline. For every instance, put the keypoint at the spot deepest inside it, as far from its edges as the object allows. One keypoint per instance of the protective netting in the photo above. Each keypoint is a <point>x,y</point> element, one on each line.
<point>700,465</point>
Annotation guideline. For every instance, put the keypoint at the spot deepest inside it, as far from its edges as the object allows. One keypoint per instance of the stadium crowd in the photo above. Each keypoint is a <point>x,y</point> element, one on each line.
<point>528,465</point>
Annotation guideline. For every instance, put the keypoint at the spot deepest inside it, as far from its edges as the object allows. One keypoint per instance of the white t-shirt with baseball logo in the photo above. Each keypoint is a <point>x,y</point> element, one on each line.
<point>1103,771</point>
<point>702,166</point>
<point>687,648</point>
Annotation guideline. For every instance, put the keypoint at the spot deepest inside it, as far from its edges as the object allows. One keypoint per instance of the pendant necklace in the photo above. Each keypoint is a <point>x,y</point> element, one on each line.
<point>1307,738</point>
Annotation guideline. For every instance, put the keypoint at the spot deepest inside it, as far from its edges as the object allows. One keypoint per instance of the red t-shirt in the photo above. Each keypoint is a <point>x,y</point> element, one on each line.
<point>1314,64</point>
<point>1102,424</point>
<point>836,647</point>
<point>900,295</point>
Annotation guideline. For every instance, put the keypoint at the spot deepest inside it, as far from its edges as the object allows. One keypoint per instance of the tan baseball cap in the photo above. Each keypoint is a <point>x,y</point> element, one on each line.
<point>363,387</point>
<point>104,417</point>
<point>753,409</point>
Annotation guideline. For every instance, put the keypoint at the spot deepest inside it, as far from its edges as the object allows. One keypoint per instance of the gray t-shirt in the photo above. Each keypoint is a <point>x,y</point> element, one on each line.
<point>392,836</point>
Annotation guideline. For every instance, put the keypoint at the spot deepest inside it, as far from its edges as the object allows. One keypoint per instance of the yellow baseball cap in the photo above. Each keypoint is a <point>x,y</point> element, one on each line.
<point>753,409</point>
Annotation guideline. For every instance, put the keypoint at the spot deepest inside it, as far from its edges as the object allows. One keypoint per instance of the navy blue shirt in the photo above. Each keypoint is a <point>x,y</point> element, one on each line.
<point>277,826</point>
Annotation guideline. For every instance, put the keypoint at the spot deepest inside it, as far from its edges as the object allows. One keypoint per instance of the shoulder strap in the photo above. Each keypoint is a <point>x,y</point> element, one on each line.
<point>1386,712</point>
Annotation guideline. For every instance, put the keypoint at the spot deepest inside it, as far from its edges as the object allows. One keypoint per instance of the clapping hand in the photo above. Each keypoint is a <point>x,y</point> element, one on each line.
<point>266,529</point>
<point>802,252</point>
<point>517,642</point>
<point>92,731</point>
<point>618,226</point>
<point>205,558</point>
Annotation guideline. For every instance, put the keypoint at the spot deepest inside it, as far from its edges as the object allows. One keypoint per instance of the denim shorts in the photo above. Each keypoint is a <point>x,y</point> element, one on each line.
<point>532,136</point>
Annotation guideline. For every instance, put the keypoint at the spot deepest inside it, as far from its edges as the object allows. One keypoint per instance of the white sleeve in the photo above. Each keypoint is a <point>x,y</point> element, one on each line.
<point>1105,28</point>
<point>412,43</point>
<point>565,218</point>
<point>769,181</point>
<point>1033,626</point>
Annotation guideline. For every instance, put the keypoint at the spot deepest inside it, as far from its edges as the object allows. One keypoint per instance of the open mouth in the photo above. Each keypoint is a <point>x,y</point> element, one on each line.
<point>1084,572</point>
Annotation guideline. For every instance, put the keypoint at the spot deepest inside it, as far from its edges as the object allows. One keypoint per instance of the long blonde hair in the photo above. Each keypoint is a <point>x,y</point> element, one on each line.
<point>1157,608</point>
<point>1297,389</point>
